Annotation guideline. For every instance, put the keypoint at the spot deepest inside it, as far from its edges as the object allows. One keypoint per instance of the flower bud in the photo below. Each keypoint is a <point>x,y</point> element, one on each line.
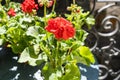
<point>40,4</point>
<point>78,10</point>
<point>69,8</point>
<point>39,1</point>
<point>11,12</point>
<point>50,3</point>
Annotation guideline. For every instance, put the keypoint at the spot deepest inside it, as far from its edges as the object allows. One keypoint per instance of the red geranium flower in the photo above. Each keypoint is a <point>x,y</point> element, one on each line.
<point>11,12</point>
<point>28,5</point>
<point>61,28</point>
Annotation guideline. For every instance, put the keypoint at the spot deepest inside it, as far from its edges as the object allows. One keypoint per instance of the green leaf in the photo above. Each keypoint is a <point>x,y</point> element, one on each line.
<point>2,13</point>
<point>27,19</point>
<point>2,30</point>
<point>32,31</point>
<point>68,72</point>
<point>80,59</point>
<point>1,41</point>
<point>18,47</point>
<point>47,70</point>
<point>15,34</point>
<point>87,54</point>
<point>81,35</point>
<point>51,73</point>
<point>90,21</point>
<point>26,57</point>
<point>72,72</point>
<point>53,76</point>
<point>76,44</point>
<point>36,49</point>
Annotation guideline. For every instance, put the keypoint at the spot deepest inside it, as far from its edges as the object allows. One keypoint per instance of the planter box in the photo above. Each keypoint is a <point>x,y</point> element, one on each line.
<point>10,69</point>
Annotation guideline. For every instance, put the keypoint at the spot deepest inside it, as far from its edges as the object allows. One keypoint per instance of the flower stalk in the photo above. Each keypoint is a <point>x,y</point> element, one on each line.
<point>57,54</point>
<point>45,13</point>
<point>45,10</point>
<point>73,1</point>
<point>53,8</point>
<point>7,2</point>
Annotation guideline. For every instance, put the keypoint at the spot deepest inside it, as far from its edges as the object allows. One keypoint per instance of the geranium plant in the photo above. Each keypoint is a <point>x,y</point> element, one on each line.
<point>54,41</point>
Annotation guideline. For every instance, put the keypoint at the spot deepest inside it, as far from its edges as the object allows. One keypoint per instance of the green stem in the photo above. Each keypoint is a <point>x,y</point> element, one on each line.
<point>7,2</point>
<point>56,54</point>
<point>45,13</point>
<point>50,57</point>
<point>53,8</point>
<point>44,10</point>
<point>0,2</point>
<point>73,1</point>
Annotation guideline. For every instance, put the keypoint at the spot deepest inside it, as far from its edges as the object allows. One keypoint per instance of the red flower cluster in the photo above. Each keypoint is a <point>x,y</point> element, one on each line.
<point>28,5</point>
<point>61,28</point>
<point>11,12</point>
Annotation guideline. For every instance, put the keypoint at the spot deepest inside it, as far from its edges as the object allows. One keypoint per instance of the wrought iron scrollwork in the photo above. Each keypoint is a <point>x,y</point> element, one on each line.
<point>107,50</point>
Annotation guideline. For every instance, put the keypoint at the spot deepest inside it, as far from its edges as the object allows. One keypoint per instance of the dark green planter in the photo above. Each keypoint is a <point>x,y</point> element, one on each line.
<point>10,69</point>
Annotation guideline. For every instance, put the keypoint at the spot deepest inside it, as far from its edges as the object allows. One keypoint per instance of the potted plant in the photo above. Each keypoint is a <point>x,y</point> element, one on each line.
<point>57,41</point>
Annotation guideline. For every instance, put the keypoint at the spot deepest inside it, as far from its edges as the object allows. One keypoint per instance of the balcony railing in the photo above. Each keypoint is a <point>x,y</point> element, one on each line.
<point>107,35</point>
